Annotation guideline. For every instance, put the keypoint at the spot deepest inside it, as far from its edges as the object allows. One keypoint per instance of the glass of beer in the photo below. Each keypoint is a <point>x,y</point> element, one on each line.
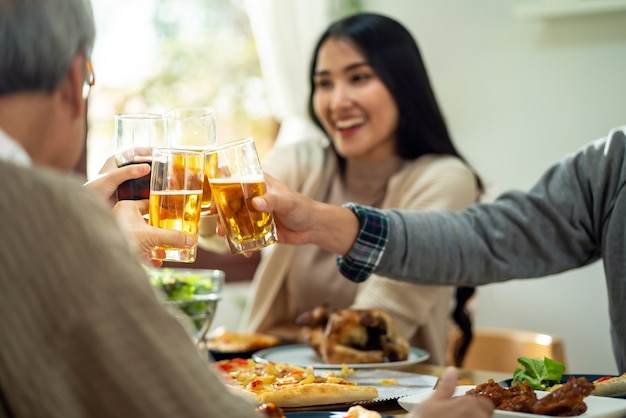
<point>193,128</point>
<point>136,134</point>
<point>175,198</point>
<point>236,177</point>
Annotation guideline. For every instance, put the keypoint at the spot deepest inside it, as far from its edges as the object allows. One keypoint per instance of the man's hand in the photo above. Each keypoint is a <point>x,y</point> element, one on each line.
<point>443,404</point>
<point>143,237</point>
<point>300,220</point>
<point>112,176</point>
<point>292,211</point>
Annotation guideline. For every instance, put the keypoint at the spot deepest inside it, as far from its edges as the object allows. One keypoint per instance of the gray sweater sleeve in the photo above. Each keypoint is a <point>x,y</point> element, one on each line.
<point>558,225</point>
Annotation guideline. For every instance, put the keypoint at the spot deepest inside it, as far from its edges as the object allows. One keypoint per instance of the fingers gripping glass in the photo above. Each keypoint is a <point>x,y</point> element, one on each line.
<point>90,80</point>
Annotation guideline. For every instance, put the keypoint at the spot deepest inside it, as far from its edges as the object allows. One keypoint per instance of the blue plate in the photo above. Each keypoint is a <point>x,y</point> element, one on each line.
<point>590,377</point>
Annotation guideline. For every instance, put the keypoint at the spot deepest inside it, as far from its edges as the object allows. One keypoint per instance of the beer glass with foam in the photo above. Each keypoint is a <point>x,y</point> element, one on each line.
<point>193,128</point>
<point>135,135</point>
<point>176,198</point>
<point>236,177</point>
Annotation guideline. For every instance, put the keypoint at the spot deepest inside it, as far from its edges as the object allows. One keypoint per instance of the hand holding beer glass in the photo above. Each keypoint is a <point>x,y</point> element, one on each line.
<point>136,134</point>
<point>236,177</point>
<point>193,128</point>
<point>175,198</point>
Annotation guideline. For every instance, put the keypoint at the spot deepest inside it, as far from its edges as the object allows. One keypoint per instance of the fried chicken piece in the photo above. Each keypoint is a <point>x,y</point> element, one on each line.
<point>504,396</point>
<point>270,410</point>
<point>354,336</point>
<point>566,401</point>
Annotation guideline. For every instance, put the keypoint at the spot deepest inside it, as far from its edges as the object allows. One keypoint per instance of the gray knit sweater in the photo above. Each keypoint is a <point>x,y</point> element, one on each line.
<point>82,333</point>
<point>574,215</point>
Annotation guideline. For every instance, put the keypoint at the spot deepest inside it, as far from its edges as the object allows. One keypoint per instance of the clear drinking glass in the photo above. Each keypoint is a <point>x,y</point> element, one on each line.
<point>193,128</point>
<point>236,177</point>
<point>175,198</point>
<point>135,135</point>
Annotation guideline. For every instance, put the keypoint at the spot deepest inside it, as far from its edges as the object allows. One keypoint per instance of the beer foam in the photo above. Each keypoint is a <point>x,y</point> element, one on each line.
<point>245,179</point>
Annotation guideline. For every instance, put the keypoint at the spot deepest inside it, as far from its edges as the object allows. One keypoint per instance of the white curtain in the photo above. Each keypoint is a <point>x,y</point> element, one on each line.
<point>285,32</point>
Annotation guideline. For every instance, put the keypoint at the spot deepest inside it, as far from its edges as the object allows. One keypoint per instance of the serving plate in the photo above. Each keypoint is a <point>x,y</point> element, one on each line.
<point>597,406</point>
<point>590,378</point>
<point>303,355</point>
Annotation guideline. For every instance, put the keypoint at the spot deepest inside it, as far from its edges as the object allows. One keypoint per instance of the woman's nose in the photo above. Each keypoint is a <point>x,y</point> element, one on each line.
<point>341,97</point>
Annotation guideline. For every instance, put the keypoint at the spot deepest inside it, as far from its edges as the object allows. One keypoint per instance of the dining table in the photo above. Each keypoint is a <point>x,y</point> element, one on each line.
<point>466,377</point>
<point>392,407</point>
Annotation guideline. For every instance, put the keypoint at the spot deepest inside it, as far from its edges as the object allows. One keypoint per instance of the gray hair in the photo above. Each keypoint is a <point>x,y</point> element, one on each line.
<point>38,41</point>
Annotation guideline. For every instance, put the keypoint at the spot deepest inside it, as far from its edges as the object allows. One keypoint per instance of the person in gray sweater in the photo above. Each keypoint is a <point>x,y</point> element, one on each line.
<point>573,216</point>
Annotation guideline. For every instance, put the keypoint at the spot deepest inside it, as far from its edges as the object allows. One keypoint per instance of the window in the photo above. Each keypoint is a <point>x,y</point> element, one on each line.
<point>154,55</point>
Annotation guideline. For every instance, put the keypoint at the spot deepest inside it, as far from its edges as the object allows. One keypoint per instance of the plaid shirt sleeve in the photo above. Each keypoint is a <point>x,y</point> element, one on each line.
<point>369,246</point>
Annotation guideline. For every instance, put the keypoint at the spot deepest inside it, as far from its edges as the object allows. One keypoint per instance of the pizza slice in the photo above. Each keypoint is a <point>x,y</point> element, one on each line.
<point>610,386</point>
<point>287,385</point>
<point>230,341</point>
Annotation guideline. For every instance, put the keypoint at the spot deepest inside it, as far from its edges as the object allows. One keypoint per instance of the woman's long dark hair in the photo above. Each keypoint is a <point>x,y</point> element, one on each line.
<point>393,54</point>
<point>463,319</point>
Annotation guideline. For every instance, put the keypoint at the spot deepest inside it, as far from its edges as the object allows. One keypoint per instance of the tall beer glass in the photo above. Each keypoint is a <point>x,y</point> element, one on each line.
<point>236,177</point>
<point>136,134</point>
<point>175,198</point>
<point>193,128</point>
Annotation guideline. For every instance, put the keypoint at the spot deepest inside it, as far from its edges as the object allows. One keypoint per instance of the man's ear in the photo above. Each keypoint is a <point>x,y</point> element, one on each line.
<point>71,90</point>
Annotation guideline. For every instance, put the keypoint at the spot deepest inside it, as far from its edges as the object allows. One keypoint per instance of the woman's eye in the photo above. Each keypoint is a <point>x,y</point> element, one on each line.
<point>321,83</point>
<point>360,77</point>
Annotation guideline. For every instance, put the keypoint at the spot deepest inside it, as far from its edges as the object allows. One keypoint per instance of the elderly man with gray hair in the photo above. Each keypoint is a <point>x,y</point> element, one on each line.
<point>82,331</point>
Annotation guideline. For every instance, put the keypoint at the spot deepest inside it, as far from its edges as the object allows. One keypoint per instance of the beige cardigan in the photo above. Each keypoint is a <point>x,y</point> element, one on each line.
<point>428,183</point>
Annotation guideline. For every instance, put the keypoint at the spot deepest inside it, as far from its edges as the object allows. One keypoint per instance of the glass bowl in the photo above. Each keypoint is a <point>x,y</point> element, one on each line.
<point>191,293</point>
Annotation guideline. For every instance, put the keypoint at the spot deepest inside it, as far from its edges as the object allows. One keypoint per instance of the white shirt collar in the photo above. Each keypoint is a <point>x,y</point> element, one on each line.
<point>12,151</point>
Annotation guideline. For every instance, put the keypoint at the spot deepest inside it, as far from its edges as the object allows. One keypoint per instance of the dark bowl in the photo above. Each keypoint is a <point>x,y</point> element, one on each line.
<point>590,377</point>
<point>227,355</point>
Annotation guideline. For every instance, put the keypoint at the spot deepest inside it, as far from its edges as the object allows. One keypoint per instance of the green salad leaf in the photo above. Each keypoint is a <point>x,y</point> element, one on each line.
<point>181,287</point>
<point>540,374</point>
<point>185,290</point>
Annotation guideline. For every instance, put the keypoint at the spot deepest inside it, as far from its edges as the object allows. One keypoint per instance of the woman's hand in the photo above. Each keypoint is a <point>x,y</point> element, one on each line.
<point>143,237</point>
<point>443,404</point>
<point>112,176</point>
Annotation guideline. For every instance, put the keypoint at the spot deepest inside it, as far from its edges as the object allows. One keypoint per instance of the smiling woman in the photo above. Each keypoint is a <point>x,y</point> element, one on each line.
<point>386,146</point>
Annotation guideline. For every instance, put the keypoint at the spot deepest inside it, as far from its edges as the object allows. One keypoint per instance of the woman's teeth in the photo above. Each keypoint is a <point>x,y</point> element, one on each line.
<point>349,123</point>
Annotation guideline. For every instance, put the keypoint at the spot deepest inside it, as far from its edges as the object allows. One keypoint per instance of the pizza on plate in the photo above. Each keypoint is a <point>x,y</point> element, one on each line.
<point>230,341</point>
<point>287,385</point>
<point>610,386</point>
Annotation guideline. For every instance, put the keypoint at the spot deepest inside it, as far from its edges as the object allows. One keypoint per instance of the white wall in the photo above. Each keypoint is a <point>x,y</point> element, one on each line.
<point>518,95</point>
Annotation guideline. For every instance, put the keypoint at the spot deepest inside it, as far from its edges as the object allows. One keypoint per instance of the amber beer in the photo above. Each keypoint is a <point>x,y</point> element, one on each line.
<point>207,200</point>
<point>175,198</point>
<point>246,228</point>
<point>179,210</point>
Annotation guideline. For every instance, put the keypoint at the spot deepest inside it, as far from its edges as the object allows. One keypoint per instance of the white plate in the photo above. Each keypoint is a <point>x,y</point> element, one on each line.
<point>303,355</point>
<point>597,406</point>
<point>322,414</point>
